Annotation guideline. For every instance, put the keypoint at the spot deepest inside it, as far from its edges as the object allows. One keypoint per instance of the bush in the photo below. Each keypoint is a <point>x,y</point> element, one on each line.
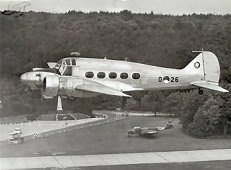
<point>207,121</point>
<point>32,116</point>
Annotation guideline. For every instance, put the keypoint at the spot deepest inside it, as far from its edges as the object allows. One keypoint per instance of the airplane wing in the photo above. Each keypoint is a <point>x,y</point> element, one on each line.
<point>149,132</point>
<point>96,87</point>
<point>156,128</point>
<point>209,85</point>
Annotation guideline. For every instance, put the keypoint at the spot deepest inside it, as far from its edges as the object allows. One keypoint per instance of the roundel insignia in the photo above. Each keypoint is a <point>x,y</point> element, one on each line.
<point>166,79</point>
<point>197,65</point>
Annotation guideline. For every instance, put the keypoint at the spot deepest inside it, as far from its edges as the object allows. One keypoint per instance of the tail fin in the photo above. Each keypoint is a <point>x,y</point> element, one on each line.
<point>206,65</point>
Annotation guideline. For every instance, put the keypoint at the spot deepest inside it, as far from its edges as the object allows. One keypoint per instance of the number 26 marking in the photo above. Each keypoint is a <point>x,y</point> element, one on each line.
<point>168,79</point>
<point>174,79</point>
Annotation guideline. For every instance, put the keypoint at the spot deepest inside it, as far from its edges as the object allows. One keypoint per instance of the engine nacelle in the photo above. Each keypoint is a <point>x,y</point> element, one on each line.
<point>64,86</point>
<point>51,86</point>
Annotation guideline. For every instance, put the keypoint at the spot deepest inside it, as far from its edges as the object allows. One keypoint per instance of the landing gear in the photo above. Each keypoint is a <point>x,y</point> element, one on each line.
<point>59,105</point>
<point>124,99</point>
<point>200,91</point>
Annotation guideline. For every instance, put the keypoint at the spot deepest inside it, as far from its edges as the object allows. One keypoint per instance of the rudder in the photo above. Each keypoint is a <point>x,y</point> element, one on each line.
<point>207,66</point>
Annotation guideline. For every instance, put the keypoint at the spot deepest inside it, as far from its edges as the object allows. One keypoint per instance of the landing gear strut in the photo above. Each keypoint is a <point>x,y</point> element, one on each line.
<point>124,99</point>
<point>200,91</point>
<point>59,105</point>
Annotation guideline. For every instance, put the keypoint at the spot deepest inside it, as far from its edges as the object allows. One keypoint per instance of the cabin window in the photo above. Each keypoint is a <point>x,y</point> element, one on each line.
<point>89,74</point>
<point>73,62</point>
<point>135,75</point>
<point>124,75</point>
<point>112,75</point>
<point>68,62</point>
<point>101,75</point>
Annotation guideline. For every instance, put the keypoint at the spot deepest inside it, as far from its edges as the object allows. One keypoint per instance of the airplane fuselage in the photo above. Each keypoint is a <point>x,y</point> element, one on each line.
<point>88,77</point>
<point>148,77</point>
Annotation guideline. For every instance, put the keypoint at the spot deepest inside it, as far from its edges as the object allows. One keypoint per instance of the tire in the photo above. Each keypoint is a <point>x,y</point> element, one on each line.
<point>201,91</point>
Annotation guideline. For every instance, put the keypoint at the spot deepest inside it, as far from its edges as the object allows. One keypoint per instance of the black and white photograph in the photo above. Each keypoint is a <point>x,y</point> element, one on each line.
<point>115,84</point>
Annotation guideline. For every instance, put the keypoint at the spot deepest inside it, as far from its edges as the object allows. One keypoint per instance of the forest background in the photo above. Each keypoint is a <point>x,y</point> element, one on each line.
<point>34,39</point>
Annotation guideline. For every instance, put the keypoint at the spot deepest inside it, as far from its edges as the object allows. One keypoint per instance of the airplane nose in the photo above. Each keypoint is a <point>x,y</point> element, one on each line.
<point>32,79</point>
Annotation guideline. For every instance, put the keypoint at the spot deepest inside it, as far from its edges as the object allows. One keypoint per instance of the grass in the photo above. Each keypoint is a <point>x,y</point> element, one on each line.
<point>47,117</point>
<point>13,119</point>
<point>112,138</point>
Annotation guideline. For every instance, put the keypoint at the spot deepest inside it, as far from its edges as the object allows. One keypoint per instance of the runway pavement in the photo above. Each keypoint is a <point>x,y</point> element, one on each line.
<point>115,159</point>
<point>41,127</point>
<point>44,128</point>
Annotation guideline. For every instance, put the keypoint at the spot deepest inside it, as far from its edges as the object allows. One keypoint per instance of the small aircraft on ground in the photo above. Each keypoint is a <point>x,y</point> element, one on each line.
<point>145,131</point>
<point>148,131</point>
<point>88,77</point>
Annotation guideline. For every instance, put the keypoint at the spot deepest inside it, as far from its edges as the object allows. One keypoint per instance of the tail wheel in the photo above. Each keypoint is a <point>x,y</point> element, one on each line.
<point>200,91</point>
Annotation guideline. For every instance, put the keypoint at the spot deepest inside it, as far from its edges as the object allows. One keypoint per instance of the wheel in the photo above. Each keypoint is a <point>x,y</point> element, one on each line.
<point>201,91</point>
<point>129,135</point>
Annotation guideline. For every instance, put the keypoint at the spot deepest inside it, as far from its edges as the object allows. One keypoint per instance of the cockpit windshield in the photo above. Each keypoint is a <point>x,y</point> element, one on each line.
<point>58,65</point>
<point>68,62</point>
<point>73,62</point>
<point>64,65</point>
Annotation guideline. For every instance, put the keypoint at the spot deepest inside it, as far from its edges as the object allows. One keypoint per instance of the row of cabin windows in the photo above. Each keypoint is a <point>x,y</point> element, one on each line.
<point>111,75</point>
<point>70,62</point>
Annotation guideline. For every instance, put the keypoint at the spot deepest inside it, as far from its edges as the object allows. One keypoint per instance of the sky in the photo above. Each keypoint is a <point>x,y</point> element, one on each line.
<point>173,7</point>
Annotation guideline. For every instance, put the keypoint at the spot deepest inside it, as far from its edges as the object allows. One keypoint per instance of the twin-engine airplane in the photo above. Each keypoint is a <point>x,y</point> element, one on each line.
<point>89,77</point>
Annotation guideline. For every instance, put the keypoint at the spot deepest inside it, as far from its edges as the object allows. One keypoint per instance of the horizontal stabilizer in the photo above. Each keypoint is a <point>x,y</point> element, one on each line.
<point>209,85</point>
<point>100,88</point>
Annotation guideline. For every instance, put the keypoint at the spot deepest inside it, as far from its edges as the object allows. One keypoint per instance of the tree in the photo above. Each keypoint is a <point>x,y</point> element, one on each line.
<point>206,121</point>
<point>152,101</point>
<point>132,104</point>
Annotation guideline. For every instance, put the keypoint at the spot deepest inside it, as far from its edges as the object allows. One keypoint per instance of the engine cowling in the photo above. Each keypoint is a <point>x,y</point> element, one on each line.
<point>64,86</point>
<point>51,86</point>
